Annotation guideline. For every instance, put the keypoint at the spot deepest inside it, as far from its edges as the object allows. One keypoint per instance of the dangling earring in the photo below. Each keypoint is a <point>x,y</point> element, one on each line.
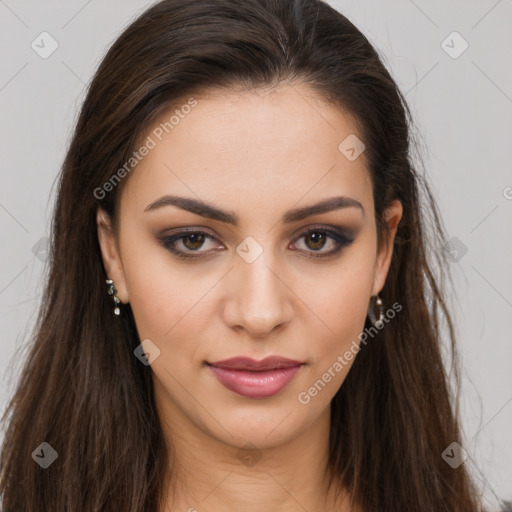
<point>377,322</point>
<point>112,291</point>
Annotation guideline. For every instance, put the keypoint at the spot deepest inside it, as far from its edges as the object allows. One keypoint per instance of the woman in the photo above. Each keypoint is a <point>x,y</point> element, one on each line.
<point>240,313</point>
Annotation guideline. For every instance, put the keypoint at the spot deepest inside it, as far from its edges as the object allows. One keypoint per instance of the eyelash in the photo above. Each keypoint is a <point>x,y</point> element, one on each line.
<point>342,240</point>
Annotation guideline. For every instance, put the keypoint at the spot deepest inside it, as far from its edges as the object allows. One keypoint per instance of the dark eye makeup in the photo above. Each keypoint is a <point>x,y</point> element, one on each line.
<point>191,240</point>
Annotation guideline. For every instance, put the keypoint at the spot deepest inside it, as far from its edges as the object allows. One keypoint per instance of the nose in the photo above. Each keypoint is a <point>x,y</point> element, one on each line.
<point>259,300</point>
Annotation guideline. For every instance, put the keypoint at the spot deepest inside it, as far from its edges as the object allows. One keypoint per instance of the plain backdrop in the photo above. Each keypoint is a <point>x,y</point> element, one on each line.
<point>459,87</point>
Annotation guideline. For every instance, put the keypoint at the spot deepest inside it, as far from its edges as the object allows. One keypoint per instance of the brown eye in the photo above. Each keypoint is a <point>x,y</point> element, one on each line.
<point>194,241</point>
<point>186,243</point>
<point>316,239</point>
<point>190,244</point>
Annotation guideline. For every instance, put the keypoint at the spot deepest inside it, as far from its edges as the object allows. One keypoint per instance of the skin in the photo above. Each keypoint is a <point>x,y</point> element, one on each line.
<point>257,154</point>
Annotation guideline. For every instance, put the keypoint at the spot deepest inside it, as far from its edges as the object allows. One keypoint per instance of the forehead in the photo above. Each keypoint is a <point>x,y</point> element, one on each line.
<point>244,147</point>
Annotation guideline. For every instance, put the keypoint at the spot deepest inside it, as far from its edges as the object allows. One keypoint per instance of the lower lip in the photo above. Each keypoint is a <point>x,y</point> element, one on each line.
<point>255,384</point>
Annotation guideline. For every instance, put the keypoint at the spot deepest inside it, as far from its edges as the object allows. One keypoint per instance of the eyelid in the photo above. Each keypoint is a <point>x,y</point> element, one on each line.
<point>342,232</point>
<point>342,237</point>
<point>168,240</point>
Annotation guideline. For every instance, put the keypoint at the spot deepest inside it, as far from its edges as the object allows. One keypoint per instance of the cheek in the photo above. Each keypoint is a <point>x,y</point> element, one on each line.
<point>161,293</point>
<point>340,301</point>
<point>343,317</point>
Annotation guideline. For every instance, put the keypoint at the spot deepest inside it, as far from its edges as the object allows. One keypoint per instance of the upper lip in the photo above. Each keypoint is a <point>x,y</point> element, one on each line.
<point>246,363</point>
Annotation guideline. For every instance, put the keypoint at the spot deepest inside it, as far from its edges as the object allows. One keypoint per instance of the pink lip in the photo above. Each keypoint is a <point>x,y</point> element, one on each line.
<point>255,379</point>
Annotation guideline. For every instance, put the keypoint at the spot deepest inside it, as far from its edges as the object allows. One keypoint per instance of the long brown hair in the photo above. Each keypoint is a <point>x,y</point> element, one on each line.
<point>83,391</point>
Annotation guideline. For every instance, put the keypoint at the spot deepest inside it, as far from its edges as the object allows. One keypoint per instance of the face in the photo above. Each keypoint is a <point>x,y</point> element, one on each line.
<point>242,265</point>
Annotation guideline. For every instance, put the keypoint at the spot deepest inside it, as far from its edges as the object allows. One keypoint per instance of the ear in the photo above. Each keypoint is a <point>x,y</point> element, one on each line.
<point>110,254</point>
<point>392,215</point>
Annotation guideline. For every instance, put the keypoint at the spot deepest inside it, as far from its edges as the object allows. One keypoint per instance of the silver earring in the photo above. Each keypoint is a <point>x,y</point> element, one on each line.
<point>112,291</point>
<point>377,322</point>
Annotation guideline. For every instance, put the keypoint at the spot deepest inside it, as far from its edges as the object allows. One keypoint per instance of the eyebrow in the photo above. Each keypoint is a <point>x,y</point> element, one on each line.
<point>294,215</point>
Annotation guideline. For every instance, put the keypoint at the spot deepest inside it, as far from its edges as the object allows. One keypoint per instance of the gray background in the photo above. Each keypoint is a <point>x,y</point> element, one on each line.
<point>462,107</point>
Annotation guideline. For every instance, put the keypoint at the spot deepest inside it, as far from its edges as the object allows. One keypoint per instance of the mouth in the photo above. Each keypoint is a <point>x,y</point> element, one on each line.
<point>255,379</point>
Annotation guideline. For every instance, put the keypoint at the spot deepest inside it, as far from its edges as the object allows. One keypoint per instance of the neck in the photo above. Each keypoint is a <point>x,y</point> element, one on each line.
<point>207,474</point>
